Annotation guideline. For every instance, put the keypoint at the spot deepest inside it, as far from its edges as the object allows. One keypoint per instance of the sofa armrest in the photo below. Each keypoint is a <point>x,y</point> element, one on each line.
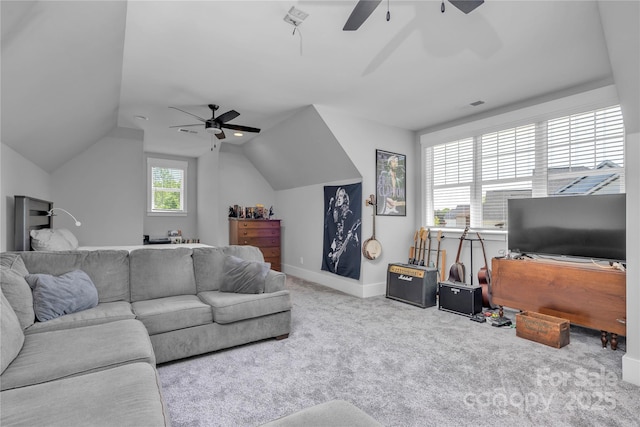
<point>274,281</point>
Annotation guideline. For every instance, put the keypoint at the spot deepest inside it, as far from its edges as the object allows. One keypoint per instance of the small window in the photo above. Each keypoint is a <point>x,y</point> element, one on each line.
<point>166,187</point>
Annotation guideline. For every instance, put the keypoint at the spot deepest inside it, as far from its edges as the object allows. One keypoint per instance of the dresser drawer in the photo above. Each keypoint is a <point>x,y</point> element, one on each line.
<point>275,263</point>
<point>258,232</point>
<point>259,241</point>
<point>257,224</point>
<point>271,252</point>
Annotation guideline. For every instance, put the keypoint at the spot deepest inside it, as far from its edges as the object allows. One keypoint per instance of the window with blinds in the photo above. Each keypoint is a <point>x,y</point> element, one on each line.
<point>472,179</point>
<point>167,186</point>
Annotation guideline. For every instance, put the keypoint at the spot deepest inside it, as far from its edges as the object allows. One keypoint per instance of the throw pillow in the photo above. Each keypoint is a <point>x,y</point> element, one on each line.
<point>49,239</point>
<point>17,291</point>
<point>242,276</point>
<point>12,335</point>
<point>54,296</point>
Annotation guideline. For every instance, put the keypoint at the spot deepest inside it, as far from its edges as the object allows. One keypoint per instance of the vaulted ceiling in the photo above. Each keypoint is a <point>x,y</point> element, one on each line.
<point>72,71</point>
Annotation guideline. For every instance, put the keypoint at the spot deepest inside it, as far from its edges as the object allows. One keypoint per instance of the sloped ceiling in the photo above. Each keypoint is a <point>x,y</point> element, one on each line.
<point>300,151</point>
<point>74,70</point>
<point>61,74</point>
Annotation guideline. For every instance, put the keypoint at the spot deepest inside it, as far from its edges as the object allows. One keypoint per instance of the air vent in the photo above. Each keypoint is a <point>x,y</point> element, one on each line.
<point>183,130</point>
<point>475,104</point>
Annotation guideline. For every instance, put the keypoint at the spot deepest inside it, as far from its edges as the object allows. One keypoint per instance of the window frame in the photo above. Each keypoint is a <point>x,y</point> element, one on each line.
<point>536,114</point>
<point>169,164</point>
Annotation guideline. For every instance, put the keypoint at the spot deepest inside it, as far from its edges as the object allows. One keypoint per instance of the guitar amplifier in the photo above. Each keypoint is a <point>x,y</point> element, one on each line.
<point>460,298</point>
<point>412,284</point>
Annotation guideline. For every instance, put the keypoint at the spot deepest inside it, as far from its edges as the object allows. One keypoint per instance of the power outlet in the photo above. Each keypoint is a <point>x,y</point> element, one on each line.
<point>301,260</point>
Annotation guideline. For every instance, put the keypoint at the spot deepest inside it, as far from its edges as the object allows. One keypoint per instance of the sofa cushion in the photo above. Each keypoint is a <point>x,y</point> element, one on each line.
<point>250,253</point>
<point>172,313</point>
<point>108,269</point>
<point>159,273</point>
<point>103,313</point>
<point>54,296</point>
<point>18,293</point>
<point>208,264</point>
<point>70,352</point>
<point>13,261</point>
<point>244,277</point>
<point>123,396</point>
<point>275,281</point>
<point>231,307</point>
<point>49,239</point>
<point>12,335</point>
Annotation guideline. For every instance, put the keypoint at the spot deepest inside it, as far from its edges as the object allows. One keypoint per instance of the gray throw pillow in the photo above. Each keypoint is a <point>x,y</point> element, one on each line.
<point>242,276</point>
<point>54,296</point>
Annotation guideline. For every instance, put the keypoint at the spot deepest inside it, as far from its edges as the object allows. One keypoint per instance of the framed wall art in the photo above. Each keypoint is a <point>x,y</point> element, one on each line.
<point>391,183</point>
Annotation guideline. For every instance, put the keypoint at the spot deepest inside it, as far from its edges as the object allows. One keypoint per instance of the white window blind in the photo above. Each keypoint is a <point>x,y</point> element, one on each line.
<point>166,186</point>
<point>452,178</point>
<point>473,178</point>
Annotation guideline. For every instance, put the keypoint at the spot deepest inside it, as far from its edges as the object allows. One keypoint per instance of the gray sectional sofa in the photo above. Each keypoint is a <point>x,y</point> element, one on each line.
<point>97,366</point>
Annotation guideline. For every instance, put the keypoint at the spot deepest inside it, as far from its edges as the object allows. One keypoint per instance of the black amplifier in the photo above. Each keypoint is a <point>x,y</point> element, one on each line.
<point>412,284</point>
<point>460,298</point>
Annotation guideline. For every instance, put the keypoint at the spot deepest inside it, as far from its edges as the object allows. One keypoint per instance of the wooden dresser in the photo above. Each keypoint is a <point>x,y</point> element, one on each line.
<point>261,233</point>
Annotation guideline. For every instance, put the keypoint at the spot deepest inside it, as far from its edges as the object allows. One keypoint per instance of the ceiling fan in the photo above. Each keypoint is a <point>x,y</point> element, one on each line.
<point>364,8</point>
<point>215,124</point>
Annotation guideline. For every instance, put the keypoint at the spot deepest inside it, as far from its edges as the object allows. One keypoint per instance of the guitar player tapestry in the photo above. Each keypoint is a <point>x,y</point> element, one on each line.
<point>343,213</point>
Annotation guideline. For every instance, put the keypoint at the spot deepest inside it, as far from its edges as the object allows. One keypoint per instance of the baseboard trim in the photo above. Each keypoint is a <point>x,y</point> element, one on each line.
<point>630,370</point>
<point>333,281</point>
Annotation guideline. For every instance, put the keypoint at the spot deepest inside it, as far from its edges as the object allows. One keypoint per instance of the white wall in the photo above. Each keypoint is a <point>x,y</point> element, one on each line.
<point>158,226</point>
<point>20,177</point>
<point>104,188</point>
<point>303,216</point>
<point>240,184</point>
<point>631,360</point>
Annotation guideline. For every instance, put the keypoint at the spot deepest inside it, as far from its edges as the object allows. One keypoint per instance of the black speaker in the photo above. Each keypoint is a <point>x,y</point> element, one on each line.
<point>460,298</point>
<point>412,284</point>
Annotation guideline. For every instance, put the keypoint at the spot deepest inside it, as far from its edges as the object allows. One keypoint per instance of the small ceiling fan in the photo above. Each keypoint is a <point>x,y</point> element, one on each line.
<point>364,8</point>
<point>215,124</point>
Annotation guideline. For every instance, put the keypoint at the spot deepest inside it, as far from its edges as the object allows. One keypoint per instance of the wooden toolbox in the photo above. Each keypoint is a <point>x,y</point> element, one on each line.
<point>542,328</point>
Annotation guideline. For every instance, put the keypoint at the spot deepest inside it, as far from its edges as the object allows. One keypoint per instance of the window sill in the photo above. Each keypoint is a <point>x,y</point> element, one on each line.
<point>181,213</point>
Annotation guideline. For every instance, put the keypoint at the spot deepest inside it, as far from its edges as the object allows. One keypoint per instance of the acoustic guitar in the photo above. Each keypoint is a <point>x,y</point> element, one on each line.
<point>456,272</point>
<point>484,278</point>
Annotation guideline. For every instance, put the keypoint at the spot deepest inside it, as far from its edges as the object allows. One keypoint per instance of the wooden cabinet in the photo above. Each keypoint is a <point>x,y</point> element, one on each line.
<point>583,293</point>
<point>261,233</point>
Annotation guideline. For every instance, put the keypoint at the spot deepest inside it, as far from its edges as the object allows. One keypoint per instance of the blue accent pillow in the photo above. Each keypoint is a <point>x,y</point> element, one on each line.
<point>55,296</point>
<point>242,276</point>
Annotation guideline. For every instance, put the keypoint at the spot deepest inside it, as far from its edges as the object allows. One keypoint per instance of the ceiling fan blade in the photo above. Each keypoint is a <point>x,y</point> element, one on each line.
<point>466,5</point>
<point>221,135</point>
<point>241,128</point>
<point>228,116</point>
<point>184,126</point>
<point>193,115</point>
<point>360,13</point>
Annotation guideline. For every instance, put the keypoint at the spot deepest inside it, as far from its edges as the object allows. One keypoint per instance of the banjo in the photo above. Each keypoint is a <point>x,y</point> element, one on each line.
<point>371,248</point>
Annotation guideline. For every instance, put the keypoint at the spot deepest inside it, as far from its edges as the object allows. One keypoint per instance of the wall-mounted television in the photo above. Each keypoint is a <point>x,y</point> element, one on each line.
<point>571,226</point>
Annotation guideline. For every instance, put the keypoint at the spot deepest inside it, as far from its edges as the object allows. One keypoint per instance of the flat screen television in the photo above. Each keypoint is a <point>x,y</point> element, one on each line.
<point>571,226</point>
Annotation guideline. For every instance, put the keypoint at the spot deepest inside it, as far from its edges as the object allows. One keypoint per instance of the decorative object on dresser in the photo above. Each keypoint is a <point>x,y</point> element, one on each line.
<point>585,294</point>
<point>261,233</point>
